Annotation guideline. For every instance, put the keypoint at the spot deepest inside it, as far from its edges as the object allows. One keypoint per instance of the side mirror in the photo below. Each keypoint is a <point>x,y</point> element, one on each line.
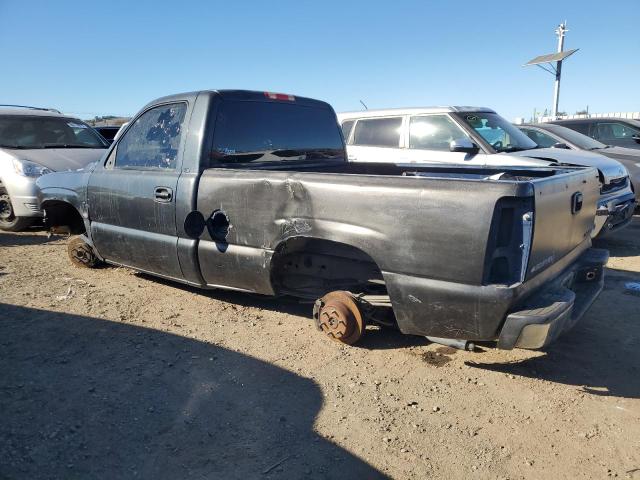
<point>560,145</point>
<point>463,145</point>
<point>636,138</point>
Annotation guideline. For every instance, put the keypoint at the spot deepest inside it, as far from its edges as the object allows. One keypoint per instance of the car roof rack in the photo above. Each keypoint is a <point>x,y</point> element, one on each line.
<point>32,108</point>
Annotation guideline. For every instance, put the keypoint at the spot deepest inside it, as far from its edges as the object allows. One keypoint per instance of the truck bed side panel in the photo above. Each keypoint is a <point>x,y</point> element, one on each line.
<point>428,236</point>
<point>407,225</point>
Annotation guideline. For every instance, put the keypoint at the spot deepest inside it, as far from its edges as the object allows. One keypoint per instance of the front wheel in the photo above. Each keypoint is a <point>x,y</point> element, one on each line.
<point>8,221</point>
<point>81,254</point>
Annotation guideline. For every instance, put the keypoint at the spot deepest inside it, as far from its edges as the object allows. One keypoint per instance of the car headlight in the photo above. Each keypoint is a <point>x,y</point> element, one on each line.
<point>29,169</point>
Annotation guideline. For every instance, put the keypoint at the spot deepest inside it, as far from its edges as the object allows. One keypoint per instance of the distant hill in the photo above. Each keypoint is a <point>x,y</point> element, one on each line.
<point>107,120</point>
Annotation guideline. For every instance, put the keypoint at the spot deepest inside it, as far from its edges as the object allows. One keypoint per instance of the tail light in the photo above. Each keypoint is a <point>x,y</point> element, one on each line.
<point>509,242</point>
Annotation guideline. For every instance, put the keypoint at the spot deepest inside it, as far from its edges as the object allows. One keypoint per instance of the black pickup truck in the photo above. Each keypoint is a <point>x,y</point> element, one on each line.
<point>251,191</point>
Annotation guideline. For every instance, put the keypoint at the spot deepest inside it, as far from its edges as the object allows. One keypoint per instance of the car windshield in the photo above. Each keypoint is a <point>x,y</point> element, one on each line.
<point>498,132</point>
<point>577,138</point>
<point>35,132</point>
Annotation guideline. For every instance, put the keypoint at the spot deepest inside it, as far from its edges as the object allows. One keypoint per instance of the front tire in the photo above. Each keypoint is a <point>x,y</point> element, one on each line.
<point>81,254</point>
<point>8,221</point>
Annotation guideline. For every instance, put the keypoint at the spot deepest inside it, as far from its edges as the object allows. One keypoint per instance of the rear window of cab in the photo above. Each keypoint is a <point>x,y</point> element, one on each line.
<point>254,131</point>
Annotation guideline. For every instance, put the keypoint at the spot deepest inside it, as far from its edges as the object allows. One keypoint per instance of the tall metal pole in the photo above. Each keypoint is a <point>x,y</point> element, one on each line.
<point>560,31</point>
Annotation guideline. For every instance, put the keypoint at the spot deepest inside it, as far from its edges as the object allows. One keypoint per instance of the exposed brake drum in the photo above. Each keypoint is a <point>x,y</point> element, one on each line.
<point>338,315</point>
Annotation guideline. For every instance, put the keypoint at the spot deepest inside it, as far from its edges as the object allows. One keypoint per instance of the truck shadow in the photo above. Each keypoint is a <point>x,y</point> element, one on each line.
<point>30,237</point>
<point>374,338</point>
<point>83,397</point>
<point>601,354</point>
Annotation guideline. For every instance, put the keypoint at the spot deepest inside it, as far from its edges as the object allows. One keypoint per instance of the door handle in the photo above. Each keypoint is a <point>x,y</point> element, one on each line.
<point>163,194</point>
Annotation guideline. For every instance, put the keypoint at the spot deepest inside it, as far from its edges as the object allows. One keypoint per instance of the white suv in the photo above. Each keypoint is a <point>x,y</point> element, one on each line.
<point>479,137</point>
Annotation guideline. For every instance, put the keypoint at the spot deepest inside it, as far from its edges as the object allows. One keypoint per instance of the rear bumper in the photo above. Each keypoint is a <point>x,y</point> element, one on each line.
<point>614,214</point>
<point>436,308</point>
<point>556,308</point>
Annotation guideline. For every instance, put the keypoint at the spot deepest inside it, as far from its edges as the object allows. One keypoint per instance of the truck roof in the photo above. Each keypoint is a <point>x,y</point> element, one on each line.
<point>249,95</point>
<point>411,111</point>
<point>31,111</point>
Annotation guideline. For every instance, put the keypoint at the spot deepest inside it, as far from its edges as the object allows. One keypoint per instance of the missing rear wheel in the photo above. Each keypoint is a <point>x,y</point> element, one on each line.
<point>81,254</point>
<point>337,314</point>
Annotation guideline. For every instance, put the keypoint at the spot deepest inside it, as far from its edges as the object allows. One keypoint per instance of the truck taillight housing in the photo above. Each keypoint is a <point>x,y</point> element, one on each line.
<point>509,242</point>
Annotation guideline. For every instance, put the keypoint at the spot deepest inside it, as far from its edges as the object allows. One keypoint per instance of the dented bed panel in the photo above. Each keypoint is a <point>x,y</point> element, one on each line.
<point>420,224</point>
<point>235,266</point>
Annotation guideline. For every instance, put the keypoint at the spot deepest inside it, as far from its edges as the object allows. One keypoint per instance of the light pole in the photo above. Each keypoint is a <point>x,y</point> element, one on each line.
<point>560,31</point>
<point>556,58</point>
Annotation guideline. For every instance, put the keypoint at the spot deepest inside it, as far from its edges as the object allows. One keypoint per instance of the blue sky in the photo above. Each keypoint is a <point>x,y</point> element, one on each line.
<point>111,57</point>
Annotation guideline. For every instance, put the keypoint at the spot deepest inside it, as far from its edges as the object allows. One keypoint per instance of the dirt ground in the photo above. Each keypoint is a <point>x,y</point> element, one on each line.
<point>111,374</point>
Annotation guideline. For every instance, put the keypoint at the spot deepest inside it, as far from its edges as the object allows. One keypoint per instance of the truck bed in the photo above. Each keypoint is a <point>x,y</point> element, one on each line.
<point>447,241</point>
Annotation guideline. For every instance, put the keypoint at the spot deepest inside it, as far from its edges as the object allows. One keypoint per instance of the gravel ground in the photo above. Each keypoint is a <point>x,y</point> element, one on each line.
<point>108,373</point>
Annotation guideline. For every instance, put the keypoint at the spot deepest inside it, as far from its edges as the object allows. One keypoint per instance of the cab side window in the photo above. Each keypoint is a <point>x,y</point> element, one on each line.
<point>152,141</point>
<point>433,132</point>
<point>378,132</point>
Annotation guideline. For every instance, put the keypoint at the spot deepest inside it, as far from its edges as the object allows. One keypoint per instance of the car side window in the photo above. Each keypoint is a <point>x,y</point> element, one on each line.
<point>378,132</point>
<point>152,141</point>
<point>581,127</point>
<point>433,132</point>
<point>615,130</point>
<point>347,126</point>
<point>541,139</point>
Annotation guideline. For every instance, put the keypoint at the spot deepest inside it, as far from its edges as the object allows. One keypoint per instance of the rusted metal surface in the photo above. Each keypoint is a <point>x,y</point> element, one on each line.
<point>81,254</point>
<point>338,316</point>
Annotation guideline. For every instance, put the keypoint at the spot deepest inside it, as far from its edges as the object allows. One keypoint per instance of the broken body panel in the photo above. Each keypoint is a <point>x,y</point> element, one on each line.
<point>454,250</point>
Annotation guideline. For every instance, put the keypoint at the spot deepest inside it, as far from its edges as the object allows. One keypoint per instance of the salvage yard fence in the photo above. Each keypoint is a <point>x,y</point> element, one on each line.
<point>629,115</point>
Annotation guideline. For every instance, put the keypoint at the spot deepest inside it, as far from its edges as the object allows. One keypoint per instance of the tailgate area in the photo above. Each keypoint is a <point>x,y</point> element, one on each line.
<point>565,207</point>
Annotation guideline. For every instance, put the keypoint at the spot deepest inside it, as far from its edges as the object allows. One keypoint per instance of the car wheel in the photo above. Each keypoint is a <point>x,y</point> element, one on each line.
<point>8,221</point>
<point>81,254</point>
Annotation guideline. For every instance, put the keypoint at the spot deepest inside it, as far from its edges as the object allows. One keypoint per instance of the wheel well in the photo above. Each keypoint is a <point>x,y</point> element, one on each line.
<point>310,267</point>
<point>59,214</point>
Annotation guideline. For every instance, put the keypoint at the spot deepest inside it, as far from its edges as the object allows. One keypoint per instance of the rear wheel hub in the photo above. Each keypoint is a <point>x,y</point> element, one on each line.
<point>339,317</point>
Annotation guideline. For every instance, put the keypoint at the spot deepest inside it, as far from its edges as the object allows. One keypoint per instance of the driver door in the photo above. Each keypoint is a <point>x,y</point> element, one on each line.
<point>132,196</point>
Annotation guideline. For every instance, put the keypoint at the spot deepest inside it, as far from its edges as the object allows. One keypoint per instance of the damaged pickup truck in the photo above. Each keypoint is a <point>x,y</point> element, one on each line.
<point>251,191</point>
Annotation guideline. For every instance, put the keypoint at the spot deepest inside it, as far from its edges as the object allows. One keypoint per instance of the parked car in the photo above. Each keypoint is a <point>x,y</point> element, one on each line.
<point>35,141</point>
<point>251,191</point>
<point>556,136</point>
<point>480,137</point>
<point>620,132</point>
<point>108,132</point>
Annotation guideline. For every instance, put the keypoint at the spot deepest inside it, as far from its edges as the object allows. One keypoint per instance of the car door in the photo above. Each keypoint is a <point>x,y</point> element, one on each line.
<point>377,140</point>
<point>132,196</point>
<point>429,137</point>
